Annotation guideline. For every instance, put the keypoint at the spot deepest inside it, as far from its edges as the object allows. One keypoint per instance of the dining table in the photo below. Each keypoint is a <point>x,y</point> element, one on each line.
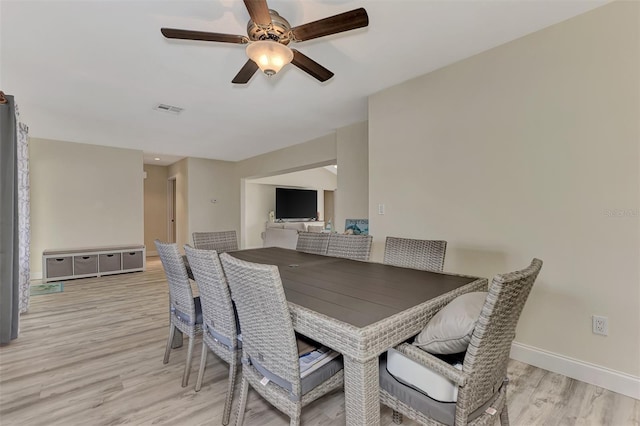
<point>359,309</point>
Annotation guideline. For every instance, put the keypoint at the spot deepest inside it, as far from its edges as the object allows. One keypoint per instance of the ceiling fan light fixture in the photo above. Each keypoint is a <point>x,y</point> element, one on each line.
<point>270,56</point>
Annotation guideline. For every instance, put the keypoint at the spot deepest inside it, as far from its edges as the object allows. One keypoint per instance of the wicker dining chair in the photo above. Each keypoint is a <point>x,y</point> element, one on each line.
<point>313,242</point>
<point>427,255</point>
<point>482,382</point>
<point>185,311</point>
<point>219,322</point>
<point>270,362</point>
<point>220,241</point>
<point>356,247</point>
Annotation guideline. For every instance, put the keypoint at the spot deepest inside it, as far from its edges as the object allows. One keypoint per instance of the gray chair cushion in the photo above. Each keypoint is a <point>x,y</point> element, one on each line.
<point>322,374</point>
<point>307,383</point>
<point>422,378</point>
<point>185,317</point>
<point>443,412</point>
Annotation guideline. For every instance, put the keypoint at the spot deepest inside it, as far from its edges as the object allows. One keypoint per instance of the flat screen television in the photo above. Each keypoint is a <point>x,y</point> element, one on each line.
<point>296,203</point>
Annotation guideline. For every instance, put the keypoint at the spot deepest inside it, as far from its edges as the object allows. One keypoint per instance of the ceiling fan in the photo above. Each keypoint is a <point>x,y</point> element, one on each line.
<point>268,37</point>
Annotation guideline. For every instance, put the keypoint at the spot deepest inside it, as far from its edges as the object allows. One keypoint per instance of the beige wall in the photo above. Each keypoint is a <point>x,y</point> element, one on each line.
<point>83,196</point>
<point>155,206</point>
<point>212,180</point>
<point>261,199</point>
<point>529,149</point>
<point>315,153</point>
<point>352,200</point>
<point>179,172</point>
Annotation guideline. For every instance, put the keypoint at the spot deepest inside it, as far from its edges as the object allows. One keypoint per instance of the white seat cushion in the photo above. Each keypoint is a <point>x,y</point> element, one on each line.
<point>421,378</point>
<point>285,238</point>
<point>298,226</point>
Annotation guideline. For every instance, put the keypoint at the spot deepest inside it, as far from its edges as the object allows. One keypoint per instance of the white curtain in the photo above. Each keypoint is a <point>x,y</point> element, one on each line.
<point>24,213</point>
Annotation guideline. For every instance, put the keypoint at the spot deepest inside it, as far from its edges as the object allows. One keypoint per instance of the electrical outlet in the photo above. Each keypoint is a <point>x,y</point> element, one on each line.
<point>380,208</point>
<point>600,325</point>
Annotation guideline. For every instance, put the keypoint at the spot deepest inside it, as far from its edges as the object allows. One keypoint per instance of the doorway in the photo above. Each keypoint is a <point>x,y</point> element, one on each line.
<point>329,210</point>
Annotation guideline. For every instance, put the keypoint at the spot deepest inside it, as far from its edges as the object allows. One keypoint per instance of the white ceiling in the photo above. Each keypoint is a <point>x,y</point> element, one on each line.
<point>92,71</point>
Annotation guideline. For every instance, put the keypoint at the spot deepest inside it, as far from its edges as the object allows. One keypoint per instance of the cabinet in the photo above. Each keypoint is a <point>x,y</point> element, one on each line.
<point>92,262</point>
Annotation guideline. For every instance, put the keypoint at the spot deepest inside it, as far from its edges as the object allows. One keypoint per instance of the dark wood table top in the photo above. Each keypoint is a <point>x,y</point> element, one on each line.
<point>357,293</point>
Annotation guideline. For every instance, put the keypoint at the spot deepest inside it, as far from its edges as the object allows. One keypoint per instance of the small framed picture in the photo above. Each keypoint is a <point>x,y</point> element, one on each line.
<point>356,226</point>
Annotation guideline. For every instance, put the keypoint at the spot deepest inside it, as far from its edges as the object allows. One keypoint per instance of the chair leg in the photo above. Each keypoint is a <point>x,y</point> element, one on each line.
<point>203,363</point>
<point>172,330</point>
<point>233,369</point>
<point>396,417</point>
<point>504,416</point>
<point>242,405</point>
<point>187,367</point>
<point>295,419</point>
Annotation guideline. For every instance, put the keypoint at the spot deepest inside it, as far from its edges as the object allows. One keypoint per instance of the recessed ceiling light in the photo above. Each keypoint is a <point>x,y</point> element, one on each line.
<point>157,158</point>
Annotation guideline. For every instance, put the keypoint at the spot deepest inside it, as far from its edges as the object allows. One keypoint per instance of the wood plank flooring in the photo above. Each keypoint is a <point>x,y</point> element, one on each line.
<point>92,355</point>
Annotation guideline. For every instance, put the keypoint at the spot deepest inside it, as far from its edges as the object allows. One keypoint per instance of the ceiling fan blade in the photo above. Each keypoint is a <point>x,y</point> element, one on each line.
<point>259,11</point>
<point>310,66</point>
<point>346,21</point>
<point>204,36</point>
<point>245,73</point>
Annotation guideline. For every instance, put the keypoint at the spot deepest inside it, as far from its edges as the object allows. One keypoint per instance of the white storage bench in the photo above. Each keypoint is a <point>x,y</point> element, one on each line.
<point>92,262</point>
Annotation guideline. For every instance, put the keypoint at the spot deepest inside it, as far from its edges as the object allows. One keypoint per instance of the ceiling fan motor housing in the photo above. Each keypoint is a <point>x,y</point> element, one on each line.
<point>279,30</point>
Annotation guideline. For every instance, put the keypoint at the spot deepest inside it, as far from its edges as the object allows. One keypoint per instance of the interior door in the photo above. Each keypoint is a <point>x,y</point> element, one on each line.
<point>171,210</point>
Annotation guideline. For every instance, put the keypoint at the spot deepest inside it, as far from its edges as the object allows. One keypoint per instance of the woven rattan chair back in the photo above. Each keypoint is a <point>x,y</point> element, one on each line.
<point>183,314</point>
<point>313,242</point>
<point>221,241</point>
<point>488,352</point>
<point>218,317</point>
<point>217,308</point>
<point>268,338</point>
<point>180,294</point>
<point>356,247</point>
<point>427,255</point>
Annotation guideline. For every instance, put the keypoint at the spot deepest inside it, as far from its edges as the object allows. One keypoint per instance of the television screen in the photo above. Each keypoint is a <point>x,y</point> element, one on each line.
<point>296,203</point>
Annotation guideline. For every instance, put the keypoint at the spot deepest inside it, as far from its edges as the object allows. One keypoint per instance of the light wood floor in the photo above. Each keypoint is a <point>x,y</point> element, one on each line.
<point>92,355</point>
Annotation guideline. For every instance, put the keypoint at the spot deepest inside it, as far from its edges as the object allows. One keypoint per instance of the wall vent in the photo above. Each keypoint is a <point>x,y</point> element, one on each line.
<point>168,108</point>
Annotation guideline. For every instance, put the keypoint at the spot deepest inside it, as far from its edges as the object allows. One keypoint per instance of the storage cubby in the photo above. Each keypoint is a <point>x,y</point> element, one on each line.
<point>132,260</point>
<point>85,264</point>
<point>59,266</point>
<point>109,262</point>
<point>92,262</point>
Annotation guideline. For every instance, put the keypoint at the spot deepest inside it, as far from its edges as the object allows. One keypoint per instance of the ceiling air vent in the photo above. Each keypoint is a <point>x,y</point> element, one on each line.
<point>168,108</point>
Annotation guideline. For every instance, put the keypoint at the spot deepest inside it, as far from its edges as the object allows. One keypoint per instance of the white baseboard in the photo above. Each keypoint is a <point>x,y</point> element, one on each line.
<point>603,377</point>
<point>35,275</point>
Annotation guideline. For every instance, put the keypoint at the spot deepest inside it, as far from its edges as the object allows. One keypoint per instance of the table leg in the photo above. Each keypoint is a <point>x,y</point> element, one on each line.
<point>361,389</point>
